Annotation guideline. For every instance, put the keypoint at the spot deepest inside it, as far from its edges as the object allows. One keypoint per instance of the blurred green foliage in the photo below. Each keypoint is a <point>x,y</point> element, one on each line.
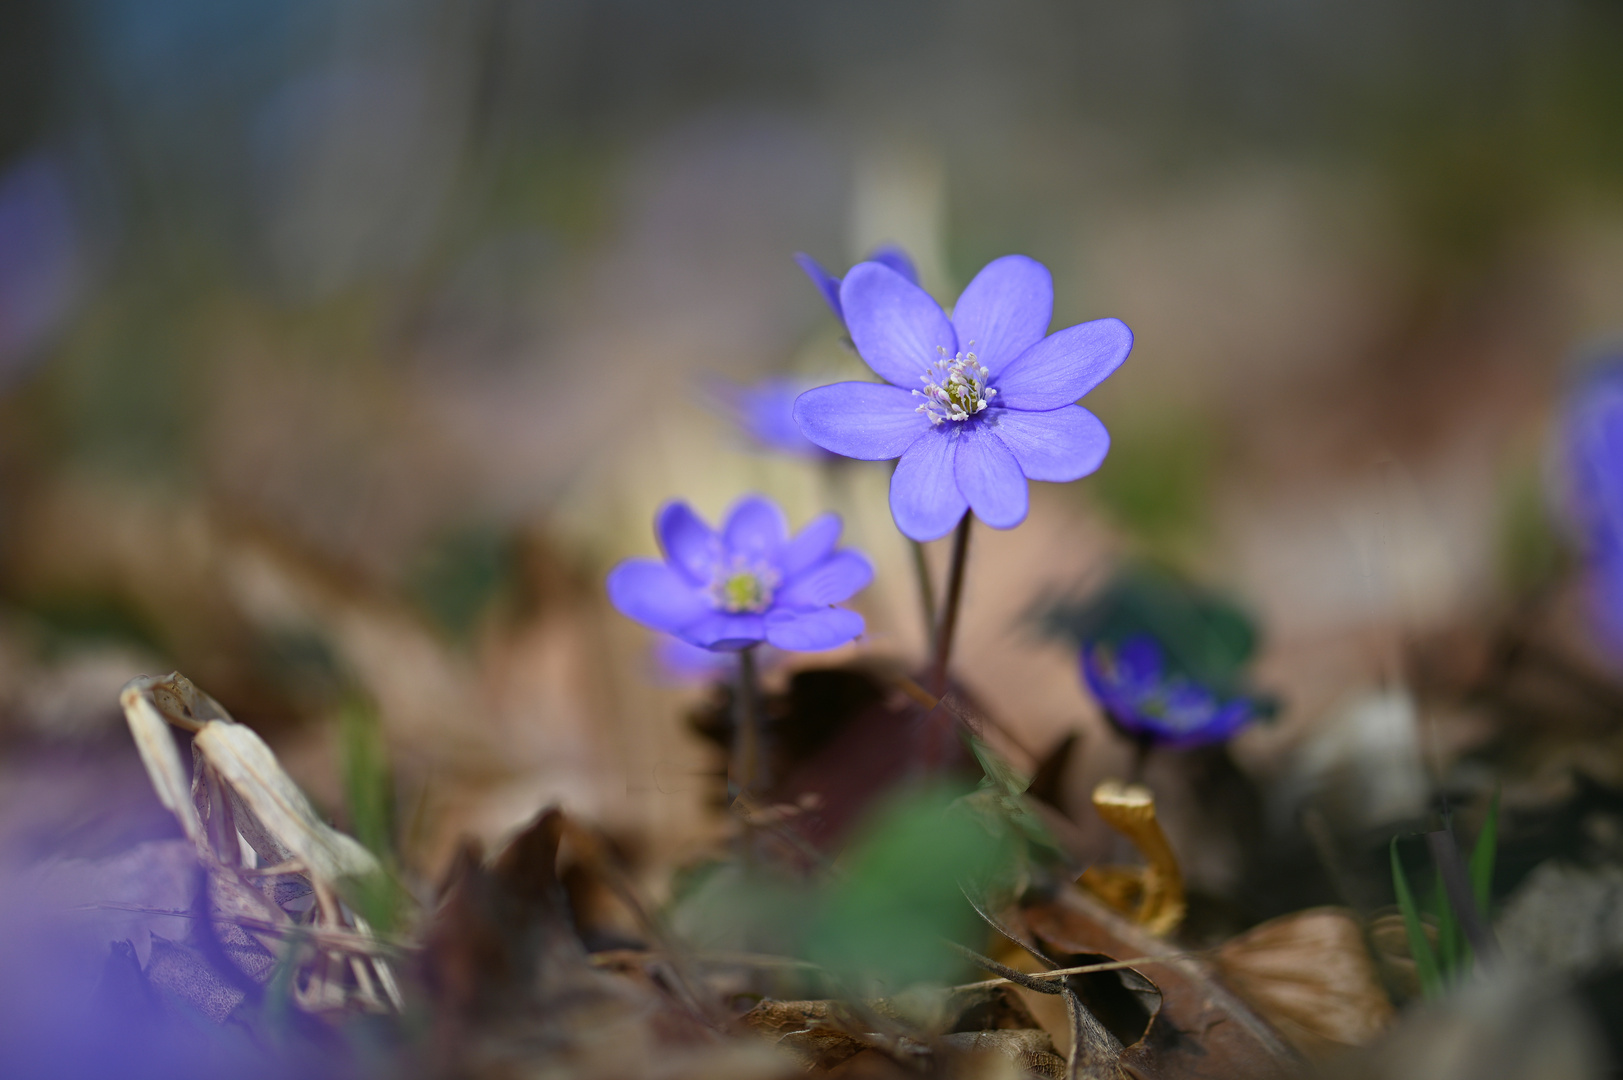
<point>1157,484</point>
<point>369,803</point>
<point>1530,551</point>
<point>462,575</point>
<point>884,922</point>
<point>1205,635</point>
<point>880,920</point>
<point>71,620</point>
<point>1442,965</point>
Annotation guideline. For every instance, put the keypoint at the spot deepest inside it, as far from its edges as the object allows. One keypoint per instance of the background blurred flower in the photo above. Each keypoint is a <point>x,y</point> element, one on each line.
<point>997,403</point>
<point>829,285</point>
<point>1593,434</point>
<point>750,582</point>
<point>680,662</point>
<point>765,412</point>
<point>41,259</point>
<point>1146,700</point>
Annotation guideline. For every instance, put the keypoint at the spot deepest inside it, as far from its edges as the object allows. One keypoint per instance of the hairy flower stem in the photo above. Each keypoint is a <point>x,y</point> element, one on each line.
<point>949,609</point>
<point>921,568</point>
<point>746,733</point>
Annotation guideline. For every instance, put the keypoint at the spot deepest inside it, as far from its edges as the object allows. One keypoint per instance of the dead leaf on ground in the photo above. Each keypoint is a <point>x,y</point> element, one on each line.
<point>1199,1030</point>
<point>1309,974</point>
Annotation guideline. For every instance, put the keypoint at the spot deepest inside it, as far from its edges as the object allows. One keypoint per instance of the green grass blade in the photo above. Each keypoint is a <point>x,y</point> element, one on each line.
<point>1482,858</point>
<point>1450,938</point>
<point>1425,960</point>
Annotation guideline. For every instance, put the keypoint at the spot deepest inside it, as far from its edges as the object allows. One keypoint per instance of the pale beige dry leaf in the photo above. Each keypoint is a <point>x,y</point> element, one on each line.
<point>254,774</point>
<point>1309,974</point>
<point>239,793</point>
<point>171,780</point>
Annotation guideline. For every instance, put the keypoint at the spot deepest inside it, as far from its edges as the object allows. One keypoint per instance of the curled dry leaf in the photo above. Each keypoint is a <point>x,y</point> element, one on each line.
<point>1310,974</point>
<point>238,793</point>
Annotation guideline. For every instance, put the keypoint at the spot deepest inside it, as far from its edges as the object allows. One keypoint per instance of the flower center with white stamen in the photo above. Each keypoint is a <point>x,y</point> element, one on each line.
<point>954,388</point>
<point>741,586</point>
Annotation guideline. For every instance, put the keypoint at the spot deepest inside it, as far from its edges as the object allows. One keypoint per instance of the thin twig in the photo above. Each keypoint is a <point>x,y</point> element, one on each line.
<point>337,939</point>
<point>1085,969</point>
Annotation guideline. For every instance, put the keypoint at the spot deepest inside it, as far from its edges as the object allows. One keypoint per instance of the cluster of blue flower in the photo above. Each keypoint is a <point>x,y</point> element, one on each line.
<point>972,406</point>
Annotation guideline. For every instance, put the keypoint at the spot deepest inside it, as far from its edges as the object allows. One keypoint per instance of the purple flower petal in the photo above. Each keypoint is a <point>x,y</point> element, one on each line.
<point>811,543</point>
<point>655,595</point>
<point>1005,310</point>
<point>894,257</point>
<point>725,631</point>
<point>924,495</point>
<point>990,477</point>
<point>1139,664</point>
<point>826,283</point>
<point>894,324</point>
<point>690,544</point>
<point>1060,445</point>
<point>1064,366</point>
<point>836,578</point>
<point>812,630</point>
<point>867,421</point>
<point>755,526</point>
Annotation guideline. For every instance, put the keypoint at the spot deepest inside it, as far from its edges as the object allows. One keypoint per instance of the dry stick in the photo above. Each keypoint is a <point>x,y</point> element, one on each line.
<point>1085,969</point>
<point>949,610</point>
<point>336,939</point>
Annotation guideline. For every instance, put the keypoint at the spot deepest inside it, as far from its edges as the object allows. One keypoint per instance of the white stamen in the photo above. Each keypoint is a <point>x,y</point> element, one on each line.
<point>954,389</point>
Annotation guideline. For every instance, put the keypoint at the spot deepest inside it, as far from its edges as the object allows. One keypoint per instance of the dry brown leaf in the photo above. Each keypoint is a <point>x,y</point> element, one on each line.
<point>1200,1030</point>
<point>1310,974</point>
<point>1031,1049</point>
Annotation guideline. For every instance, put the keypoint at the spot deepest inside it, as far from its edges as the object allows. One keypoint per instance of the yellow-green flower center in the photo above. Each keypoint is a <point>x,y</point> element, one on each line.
<point>741,587</point>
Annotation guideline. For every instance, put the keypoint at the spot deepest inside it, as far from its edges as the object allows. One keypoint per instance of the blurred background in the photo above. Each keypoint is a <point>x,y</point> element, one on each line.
<point>344,346</point>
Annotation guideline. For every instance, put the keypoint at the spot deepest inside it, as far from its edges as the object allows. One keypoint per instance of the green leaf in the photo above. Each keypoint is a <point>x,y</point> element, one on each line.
<point>1004,776</point>
<point>1425,960</point>
<point>1482,858</point>
<point>882,923</point>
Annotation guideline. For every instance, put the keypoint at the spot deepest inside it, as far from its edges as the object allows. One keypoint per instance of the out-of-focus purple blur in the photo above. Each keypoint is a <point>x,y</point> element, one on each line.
<point>344,346</point>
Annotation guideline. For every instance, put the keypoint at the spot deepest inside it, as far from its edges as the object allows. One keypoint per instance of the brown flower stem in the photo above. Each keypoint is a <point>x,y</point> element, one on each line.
<point>746,727</point>
<point>921,570</point>
<point>949,610</point>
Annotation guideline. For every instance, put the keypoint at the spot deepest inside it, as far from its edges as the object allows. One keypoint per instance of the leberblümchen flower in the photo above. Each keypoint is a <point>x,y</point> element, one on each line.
<point>1593,433</point>
<point>746,583</point>
<point>974,405</point>
<point>829,285</point>
<point>1148,702</point>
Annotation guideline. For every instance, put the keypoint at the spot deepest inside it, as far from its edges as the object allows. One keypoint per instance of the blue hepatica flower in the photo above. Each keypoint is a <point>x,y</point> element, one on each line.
<point>975,405</point>
<point>829,285</point>
<point>1147,702</point>
<point>748,583</point>
<point>765,412</point>
<point>1593,433</point>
